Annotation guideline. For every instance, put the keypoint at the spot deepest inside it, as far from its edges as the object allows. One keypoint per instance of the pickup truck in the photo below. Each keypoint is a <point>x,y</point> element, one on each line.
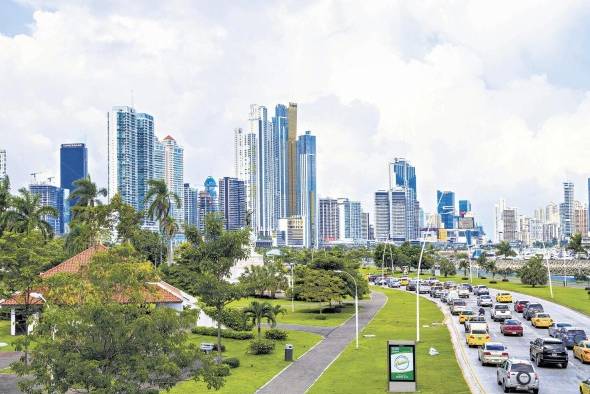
<point>500,312</point>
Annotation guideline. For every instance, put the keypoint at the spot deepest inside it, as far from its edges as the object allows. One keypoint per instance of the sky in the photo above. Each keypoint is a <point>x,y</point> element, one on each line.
<point>488,99</point>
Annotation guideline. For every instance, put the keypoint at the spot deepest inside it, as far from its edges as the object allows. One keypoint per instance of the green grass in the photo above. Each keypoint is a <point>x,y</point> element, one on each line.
<point>365,370</point>
<point>254,371</point>
<point>5,336</point>
<point>305,312</point>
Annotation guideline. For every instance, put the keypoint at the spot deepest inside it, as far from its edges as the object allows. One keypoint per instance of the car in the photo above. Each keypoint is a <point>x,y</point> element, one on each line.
<point>555,327</point>
<point>572,335</point>
<point>582,351</point>
<point>500,312</point>
<point>411,286</point>
<point>436,291</point>
<point>448,284</point>
<point>548,351</point>
<point>451,296</point>
<point>467,286</point>
<point>463,292</point>
<point>541,320</point>
<point>484,300</point>
<point>424,288</point>
<point>520,305</point>
<point>585,386</point>
<point>477,288</point>
<point>492,353</point>
<point>465,314</point>
<point>504,297</point>
<point>511,327</point>
<point>476,319</point>
<point>518,375</point>
<point>530,309</point>
<point>478,335</point>
<point>457,306</point>
<point>393,283</point>
<point>404,281</point>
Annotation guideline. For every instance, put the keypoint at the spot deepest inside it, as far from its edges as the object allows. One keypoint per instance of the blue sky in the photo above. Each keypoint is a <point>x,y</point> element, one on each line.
<point>488,99</point>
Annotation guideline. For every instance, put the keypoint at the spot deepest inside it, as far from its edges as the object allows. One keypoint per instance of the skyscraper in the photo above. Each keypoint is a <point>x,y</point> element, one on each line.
<point>191,212</point>
<point>580,223</point>
<point>122,155</point>
<point>350,226</point>
<point>405,177</point>
<point>280,136</point>
<point>329,220</point>
<point>52,196</point>
<point>73,164</point>
<point>464,207</point>
<point>232,203</point>
<point>588,229</point>
<point>399,206</point>
<point>145,155</point>
<point>567,211</point>
<point>365,226</point>
<point>292,159</point>
<point>446,207</point>
<point>174,174</point>
<point>307,188</point>
<point>382,215</point>
<point>207,201</point>
<point>245,161</point>
<point>3,165</point>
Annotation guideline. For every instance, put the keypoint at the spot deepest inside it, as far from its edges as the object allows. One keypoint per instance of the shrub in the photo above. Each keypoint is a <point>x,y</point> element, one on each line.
<point>225,333</point>
<point>464,278</point>
<point>505,280</point>
<point>276,334</point>
<point>483,277</point>
<point>493,281</point>
<point>215,347</point>
<point>262,346</point>
<point>320,317</point>
<point>220,370</point>
<point>232,362</point>
<point>232,318</point>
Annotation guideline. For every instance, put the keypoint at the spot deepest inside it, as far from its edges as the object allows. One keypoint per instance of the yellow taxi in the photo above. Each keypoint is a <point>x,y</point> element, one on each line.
<point>404,281</point>
<point>582,351</point>
<point>541,320</point>
<point>585,387</point>
<point>464,315</point>
<point>477,336</point>
<point>504,297</point>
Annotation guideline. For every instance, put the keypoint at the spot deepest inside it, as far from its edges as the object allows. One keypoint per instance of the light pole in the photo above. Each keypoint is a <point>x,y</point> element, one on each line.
<point>548,270</point>
<point>356,305</point>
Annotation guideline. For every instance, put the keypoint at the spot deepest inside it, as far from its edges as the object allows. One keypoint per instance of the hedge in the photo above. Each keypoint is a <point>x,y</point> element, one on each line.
<point>225,333</point>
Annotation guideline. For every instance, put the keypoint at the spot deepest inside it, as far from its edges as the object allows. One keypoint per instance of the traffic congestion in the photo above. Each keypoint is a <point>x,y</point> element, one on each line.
<point>513,342</point>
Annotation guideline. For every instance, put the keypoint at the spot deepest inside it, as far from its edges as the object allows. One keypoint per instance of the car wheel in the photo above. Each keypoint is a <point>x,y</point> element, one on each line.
<point>535,391</point>
<point>506,388</point>
<point>564,365</point>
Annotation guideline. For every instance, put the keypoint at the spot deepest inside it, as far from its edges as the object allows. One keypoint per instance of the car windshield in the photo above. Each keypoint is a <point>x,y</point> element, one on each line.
<point>478,331</point>
<point>495,346</point>
<point>485,297</point>
<point>576,333</point>
<point>563,325</point>
<point>512,322</point>
<point>459,302</point>
<point>542,315</point>
<point>553,346</point>
<point>521,367</point>
<point>501,307</point>
<point>522,302</point>
<point>535,306</point>
<point>467,313</point>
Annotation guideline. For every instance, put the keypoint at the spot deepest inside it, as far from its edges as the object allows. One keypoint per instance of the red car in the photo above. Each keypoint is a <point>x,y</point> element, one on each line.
<point>511,327</point>
<point>520,305</point>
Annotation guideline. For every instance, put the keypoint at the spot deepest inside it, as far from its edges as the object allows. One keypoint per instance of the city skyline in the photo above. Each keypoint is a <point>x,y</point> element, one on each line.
<point>370,111</point>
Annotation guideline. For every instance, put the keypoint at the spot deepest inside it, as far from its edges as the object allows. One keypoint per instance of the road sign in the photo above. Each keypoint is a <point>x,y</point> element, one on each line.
<point>402,366</point>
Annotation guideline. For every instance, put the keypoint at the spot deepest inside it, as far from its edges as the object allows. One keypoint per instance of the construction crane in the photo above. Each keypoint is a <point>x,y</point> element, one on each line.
<point>34,175</point>
<point>49,179</point>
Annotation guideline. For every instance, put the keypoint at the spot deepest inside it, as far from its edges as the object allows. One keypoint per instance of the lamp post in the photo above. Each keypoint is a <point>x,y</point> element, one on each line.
<point>548,270</point>
<point>356,305</point>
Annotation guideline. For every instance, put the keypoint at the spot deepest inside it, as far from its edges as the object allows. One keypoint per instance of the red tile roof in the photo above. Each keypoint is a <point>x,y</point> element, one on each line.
<point>74,263</point>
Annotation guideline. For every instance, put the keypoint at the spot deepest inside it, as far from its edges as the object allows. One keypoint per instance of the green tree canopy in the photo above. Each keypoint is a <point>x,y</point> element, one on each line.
<point>26,214</point>
<point>534,273</point>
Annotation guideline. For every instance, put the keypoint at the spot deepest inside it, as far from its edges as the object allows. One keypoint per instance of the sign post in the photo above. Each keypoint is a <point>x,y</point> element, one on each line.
<point>402,366</point>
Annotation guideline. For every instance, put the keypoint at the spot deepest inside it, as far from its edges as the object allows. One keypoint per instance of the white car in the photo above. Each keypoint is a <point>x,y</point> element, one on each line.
<point>518,375</point>
<point>458,305</point>
<point>484,300</point>
<point>463,293</point>
<point>500,312</point>
<point>493,353</point>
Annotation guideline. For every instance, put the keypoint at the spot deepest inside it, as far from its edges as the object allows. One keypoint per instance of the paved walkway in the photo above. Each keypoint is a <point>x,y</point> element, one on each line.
<point>8,381</point>
<point>323,331</point>
<point>302,373</point>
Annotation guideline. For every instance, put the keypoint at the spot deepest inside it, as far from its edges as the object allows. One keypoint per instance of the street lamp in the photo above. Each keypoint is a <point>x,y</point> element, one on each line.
<point>548,270</point>
<point>356,305</point>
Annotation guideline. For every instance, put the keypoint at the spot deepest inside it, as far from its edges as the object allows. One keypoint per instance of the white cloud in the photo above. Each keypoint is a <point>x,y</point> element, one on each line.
<point>485,99</point>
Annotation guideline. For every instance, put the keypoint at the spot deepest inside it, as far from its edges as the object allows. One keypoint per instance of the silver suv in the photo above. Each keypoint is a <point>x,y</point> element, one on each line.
<point>517,374</point>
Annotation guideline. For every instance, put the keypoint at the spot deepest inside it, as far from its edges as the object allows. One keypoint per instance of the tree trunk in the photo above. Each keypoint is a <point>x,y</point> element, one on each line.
<point>218,361</point>
<point>170,251</point>
<point>259,324</point>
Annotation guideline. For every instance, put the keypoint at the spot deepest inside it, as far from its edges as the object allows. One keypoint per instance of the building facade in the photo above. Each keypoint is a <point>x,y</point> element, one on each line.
<point>122,155</point>
<point>404,175</point>
<point>232,203</point>
<point>307,188</point>
<point>145,155</point>
<point>446,208</point>
<point>3,164</point>
<point>292,159</point>
<point>329,221</point>
<point>73,165</point>
<point>191,211</point>
<point>382,215</point>
<point>566,210</point>
<point>280,136</point>
<point>464,207</point>
<point>52,196</point>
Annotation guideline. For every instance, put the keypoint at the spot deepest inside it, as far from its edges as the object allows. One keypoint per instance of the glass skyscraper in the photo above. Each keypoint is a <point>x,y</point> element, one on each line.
<point>145,154</point>
<point>280,132</point>
<point>52,196</point>
<point>232,203</point>
<point>446,207</point>
<point>73,165</point>
<point>307,188</point>
<point>191,213</point>
<point>404,176</point>
<point>464,207</point>
<point>122,155</point>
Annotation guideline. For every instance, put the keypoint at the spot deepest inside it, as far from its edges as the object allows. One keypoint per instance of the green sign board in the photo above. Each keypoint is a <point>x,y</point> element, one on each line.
<point>402,364</point>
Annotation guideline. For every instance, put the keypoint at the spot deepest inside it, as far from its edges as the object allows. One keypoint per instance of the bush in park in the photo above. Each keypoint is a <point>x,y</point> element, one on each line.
<point>261,346</point>
<point>225,333</point>
<point>232,362</point>
<point>276,334</point>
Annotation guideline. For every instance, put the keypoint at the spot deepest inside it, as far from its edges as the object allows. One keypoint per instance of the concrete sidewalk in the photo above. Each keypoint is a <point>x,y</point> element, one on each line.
<point>302,373</point>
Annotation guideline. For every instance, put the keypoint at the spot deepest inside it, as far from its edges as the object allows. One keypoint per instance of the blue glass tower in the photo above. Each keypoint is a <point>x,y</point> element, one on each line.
<point>464,207</point>
<point>52,196</point>
<point>404,176</point>
<point>73,163</point>
<point>307,188</point>
<point>280,131</point>
<point>446,207</point>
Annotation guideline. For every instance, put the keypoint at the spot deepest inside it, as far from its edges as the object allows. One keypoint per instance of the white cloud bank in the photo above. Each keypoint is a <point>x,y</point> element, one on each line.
<point>487,99</point>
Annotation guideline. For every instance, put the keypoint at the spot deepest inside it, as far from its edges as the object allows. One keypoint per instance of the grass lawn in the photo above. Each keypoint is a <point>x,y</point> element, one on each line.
<point>365,370</point>
<point>254,371</point>
<point>305,312</point>
<point>5,336</point>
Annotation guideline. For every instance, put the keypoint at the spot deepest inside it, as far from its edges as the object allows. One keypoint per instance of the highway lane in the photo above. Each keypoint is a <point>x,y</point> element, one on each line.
<point>552,379</point>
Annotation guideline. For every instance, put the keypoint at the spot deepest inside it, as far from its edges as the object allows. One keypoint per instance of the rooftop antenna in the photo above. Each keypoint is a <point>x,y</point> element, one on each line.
<point>34,176</point>
<point>49,179</point>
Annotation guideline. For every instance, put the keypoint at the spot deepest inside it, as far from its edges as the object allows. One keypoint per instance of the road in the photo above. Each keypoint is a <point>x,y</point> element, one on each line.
<point>553,380</point>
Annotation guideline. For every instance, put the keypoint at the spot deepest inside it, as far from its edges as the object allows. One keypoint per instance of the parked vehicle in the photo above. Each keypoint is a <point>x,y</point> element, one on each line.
<point>531,309</point>
<point>541,320</point>
<point>518,375</point>
<point>477,336</point>
<point>520,305</point>
<point>582,351</point>
<point>554,328</point>
<point>548,351</point>
<point>475,320</point>
<point>465,314</point>
<point>492,353</point>
<point>457,306</point>
<point>500,312</point>
<point>572,335</point>
<point>484,300</point>
<point>512,327</point>
<point>504,297</point>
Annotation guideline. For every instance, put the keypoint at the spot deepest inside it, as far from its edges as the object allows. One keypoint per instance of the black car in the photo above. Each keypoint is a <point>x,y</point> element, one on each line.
<point>530,310</point>
<point>571,336</point>
<point>549,351</point>
<point>411,286</point>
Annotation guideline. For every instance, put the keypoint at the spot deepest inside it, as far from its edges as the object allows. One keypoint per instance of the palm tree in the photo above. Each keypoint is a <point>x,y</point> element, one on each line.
<point>505,250</point>
<point>4,200</point>
<point>277,310</point>
<point>464,265</point>
<point>160,201</point>
<point>86,193</point>
<point>257,311</point>
<point>27,214</point>
<point>169,228</point>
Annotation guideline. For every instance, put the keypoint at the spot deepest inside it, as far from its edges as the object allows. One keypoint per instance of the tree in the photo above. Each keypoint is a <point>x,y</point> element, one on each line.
<point>4,201</point>
<point>491,267</point>
<point>88,339</point>
<point>533,272</point>
<point>447,267</point>
<point>575,244</point>
<point>258,311</point>
<point>90,226</point>
<point>504,249</point>
<point>128,220</point>
<point>464,265</point>
<point>86,193</point>
<point>27,214</point>
<point>319,286</point>
<point>160,202</point>
<point>148,243</point>
<point>505,272</point>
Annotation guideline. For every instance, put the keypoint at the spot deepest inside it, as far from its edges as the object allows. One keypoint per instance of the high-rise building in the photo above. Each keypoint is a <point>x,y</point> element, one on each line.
<point>405,177</point>
<point>122,155</point>
<point>328,222</point>
<point>349,213</point>
<point>588,229</point>
<point>307,188</point>
<point>52,196</point>
<point>174,175</point>
<point>280,137</point>
<point>580,224</point>
<point>292,159</point>
<point>73,164</point>
<point>365,226</point>
<point>399,206</point>
<point>3,170</point>
<point>511,224</point>
<point>191,212</point>
<point>464,207</point>
<point>207,201</point>
<point>566,210</point>
<point>382,215</point>
<point>245,159</point>
<point>232,203</point>
<point>146,142</point>
<point>446,207</point>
